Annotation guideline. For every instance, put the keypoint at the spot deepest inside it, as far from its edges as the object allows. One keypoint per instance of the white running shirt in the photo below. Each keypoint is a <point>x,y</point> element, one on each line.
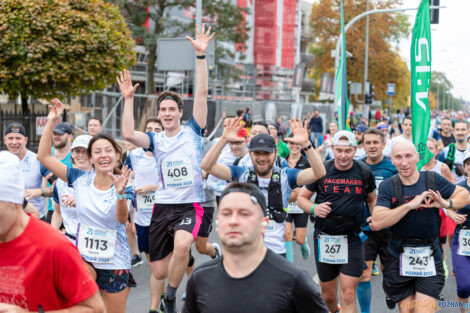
<point>33,178</point>
<point>68,213</point>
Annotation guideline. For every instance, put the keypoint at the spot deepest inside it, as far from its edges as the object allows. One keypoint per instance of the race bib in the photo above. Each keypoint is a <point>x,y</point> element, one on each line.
<point>177,173</point>
<point>417,262</point>
<point>145,202</point>
<point>271,226</point>
<point>333,249</point>
<point>96,244</point>
<point>292,208</point>
<point>464,242</point>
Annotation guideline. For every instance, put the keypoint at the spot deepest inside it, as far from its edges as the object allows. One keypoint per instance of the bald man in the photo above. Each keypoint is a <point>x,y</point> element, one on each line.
<point>409,203</point>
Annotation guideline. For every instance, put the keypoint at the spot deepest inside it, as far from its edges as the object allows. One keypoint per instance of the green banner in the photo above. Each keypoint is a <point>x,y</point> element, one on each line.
<point>420,82</point>
<point>341,82</point>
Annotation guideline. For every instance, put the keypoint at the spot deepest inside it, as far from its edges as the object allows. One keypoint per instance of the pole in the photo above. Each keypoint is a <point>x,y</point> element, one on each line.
<point>390,108</point>
<point>366,60</point>
<point>358,17</point>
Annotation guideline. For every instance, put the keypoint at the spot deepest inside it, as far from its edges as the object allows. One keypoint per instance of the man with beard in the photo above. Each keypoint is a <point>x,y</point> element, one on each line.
<point>62,139</point>
<point>15,140</point>
<point>276,183</point>
<point>453,154</point>
<point>231,284</point>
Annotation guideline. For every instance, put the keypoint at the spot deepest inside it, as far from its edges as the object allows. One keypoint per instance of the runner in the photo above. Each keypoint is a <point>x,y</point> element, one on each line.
<point>30,280</point>
<point>453,154</point>
<point>409,205</point>
<point>339,213</point>
<point>15,140</point>
<point>177,215</point>
<point>295,159</point>
<point>281,146</point>
<point>65,211</point>
<point>101,208</point>
<point>146,182</point>
<point>256,129</point>
<point>276,183</point>
<point>447,137</point>
<point>377,241</point>
<point>62,139</point>
<point>232,284</point>
<point>95,126</point>
<point>328,139</point>
<point>358,132</point>
<point>461,244</point>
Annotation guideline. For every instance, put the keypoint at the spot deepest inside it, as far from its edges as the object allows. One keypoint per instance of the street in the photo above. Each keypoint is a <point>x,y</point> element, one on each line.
<point>139,298</point>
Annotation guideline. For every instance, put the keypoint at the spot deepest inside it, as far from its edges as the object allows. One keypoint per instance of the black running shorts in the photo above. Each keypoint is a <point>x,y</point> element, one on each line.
<point>168,218</point>
<point>300,220</point>
<point>376,245</point>
<point>206,225</point>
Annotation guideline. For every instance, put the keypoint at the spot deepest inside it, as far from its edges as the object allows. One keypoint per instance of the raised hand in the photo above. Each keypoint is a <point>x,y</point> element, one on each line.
<point>56,110</point>
<point>233,127</point>
<point>202,39</point>
<point>120,182</point>
<point>300,132</point>
<point>125,84</point>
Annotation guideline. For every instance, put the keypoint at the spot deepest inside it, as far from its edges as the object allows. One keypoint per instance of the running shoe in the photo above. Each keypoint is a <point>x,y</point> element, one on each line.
<point>153,311</point>
<point>305,249</point>
<point>137,260</point>
<point>169,306</point>
<point>446,270</point>
<point>375,269</point>
<point>218,250</point>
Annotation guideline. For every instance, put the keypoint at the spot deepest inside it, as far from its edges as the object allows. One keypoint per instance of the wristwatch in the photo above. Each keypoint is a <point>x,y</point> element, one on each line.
<point>451,204</point>
<point>308,147</point>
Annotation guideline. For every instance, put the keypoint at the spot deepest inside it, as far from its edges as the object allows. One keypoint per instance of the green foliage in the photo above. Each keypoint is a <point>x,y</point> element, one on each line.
<point>53,47</point>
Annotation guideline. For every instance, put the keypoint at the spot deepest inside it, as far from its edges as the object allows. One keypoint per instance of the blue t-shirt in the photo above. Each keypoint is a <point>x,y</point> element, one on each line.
<point>382,170</point>
<point>421,223</point>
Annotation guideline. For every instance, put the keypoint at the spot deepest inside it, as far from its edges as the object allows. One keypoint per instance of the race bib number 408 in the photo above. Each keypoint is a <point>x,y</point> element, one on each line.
<point>417,262</point>
<point>96,244</point>
<point>333,249</point>
<point>177,173</point>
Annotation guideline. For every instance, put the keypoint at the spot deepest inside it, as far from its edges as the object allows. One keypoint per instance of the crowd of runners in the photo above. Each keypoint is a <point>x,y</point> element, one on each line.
<point>373,212</point>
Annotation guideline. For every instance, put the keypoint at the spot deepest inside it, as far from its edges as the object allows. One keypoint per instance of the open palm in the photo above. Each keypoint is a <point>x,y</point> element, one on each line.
<point>56,110</point>
<point>202,39</point>
<point>300,132</point>
<point>233,127</point>
<point>120,182</point>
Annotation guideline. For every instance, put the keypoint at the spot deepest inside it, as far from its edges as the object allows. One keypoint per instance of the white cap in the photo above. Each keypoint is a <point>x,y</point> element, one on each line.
<point>81,141</point>
<point>344,133</point>
<point>11,179</point>
<point>466,157</point>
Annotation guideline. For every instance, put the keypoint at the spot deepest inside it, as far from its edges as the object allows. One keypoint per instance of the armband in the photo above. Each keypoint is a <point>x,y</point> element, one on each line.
<point>121,197</point>
<point>313,207</point>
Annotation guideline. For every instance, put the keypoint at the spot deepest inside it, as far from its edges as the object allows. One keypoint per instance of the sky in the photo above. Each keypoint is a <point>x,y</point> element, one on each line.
<point>450,43</point>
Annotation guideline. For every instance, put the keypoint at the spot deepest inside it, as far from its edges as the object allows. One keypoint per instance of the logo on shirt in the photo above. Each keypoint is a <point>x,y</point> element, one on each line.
<point>12,289</point>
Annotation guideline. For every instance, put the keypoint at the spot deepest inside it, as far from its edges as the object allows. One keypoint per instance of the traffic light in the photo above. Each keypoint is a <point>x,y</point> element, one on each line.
<point>369,93</point>
<point>368,99</point>
<point>434,13</point>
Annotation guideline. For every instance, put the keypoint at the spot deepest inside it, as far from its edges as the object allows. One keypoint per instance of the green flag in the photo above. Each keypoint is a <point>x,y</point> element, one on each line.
<point>341,82</point>
<point>420,82</point>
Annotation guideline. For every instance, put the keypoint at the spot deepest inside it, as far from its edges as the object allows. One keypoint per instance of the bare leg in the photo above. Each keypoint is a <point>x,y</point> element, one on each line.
<point>329,292</point>
<point>116,302</point>
<point>156,287</point>
<point>300,233</point>
<point>132,240</point>
<point>348,285</point>
<point>180,257</point>
<point>406,305</point>
<point>463,309</point>
<point>203,247</point>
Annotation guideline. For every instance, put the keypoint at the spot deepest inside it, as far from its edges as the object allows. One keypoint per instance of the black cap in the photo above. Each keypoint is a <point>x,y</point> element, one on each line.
<point>15,127</point>
<point>263,142</point>
<point>63,128</point>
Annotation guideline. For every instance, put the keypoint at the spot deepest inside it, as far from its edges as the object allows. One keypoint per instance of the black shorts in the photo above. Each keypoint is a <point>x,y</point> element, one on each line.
<point>206,225</point>
<point>300,220</point>
<point>143,238</point>
<point>168,218</point>
<point>376,244</point>
<point>399,287</point>
<point>354,267</point>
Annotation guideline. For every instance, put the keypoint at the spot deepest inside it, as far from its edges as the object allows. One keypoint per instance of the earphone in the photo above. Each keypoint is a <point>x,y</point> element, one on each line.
<point>216,222</point>
<point>264,223</point>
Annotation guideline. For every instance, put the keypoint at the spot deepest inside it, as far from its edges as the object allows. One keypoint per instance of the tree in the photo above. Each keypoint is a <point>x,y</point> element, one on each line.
<point>385,30</point>
<point>56,47</point>
<point>226,19</point>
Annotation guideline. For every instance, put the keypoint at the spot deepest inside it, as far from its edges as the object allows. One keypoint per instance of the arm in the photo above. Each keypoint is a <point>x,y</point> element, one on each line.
<point>200,100</point>
<point>303,199</point>
<point>371,200</point>
<point>31,209</point>
<point>460,198</point>
<point>316,169</point>
<point>56,220</point>
<point>44,152</point>
<point>138,138</point>
<point>120,183</point>
<point>209,162</point>
<point>146,189</point>
<point>445,171</point>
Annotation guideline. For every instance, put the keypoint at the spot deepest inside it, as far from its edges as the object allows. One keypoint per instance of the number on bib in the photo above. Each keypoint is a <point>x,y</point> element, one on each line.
<point>333,249</point>
<point>96,244</point>
<point>417,262</point>
<point>292,208</point>
<point>464,242</point>
<point>145,202</point>
<point>177,173</point>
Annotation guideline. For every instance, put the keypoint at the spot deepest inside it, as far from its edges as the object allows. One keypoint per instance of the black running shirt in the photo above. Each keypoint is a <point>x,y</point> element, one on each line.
<point>275,286</point>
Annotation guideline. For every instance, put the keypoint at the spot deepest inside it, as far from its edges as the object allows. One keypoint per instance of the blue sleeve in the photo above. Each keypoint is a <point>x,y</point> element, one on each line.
<point>445,187</point>
<point>442,156</point>
<point>284,163</point>
<point>151,136</point>
<point>73,174</point>
<point>236,171</point>
<point>44,171</point>
<point>384,197</point>
<point>435,135</point>
<point>55,195</point>
<point>195,127</point>
<point>292,176</point>
<point>128,160</point>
